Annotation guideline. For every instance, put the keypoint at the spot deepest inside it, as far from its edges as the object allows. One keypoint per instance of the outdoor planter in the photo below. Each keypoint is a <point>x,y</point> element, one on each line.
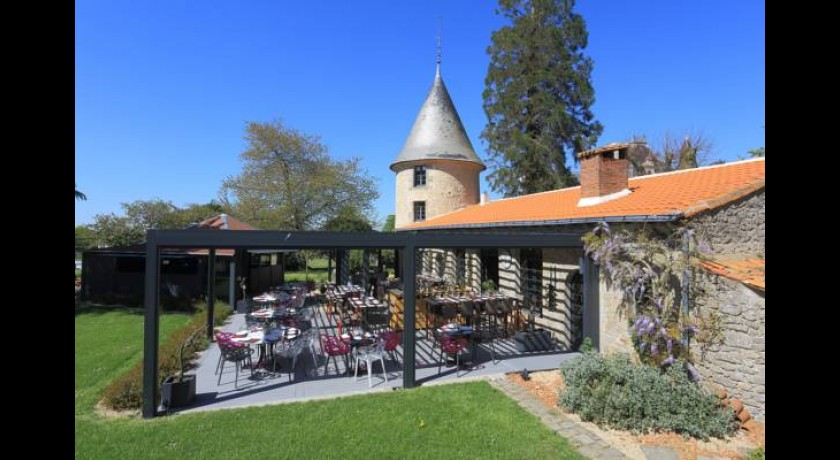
<point>178,392</point>
<point>536,340</point>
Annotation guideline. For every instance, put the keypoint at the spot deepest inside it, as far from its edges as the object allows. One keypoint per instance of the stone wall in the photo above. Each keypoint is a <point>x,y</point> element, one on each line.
<point>738,364</point>
<point>509,282</point>
<point>558,266</point>
<point>737,228</point>
<point>614,334</point>
<point>450,185</point>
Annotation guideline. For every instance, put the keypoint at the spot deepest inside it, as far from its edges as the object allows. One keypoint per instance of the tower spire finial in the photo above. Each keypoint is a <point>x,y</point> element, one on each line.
<point>440,28</point>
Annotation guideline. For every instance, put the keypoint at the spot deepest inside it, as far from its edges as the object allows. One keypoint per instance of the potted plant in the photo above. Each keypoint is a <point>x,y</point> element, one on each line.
<point>489,286</point>
<point>179,390</point>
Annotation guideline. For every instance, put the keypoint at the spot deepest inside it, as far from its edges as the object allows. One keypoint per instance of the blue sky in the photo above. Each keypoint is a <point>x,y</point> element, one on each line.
<point>164,88</point>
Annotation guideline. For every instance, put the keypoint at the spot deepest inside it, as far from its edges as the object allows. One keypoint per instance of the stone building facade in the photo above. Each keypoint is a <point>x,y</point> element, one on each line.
<point>437,189</point>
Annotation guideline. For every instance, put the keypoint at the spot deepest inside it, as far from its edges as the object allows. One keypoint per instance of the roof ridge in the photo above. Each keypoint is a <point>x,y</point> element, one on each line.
<point>683,171</point>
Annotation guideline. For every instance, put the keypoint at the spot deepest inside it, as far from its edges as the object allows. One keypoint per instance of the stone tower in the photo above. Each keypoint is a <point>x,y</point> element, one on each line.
<point>437,169</point>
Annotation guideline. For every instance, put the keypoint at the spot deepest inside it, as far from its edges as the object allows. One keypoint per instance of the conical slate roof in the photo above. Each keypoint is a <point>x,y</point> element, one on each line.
<point>438,133</point>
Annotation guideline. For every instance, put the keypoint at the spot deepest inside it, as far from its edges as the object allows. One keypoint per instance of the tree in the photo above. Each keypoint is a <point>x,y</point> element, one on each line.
<point>289,182</point>
<point>142,215</point>
<point>112,230</point>
<point>538,97</point>
<point>195,213</point>
<point>690,150</point>
<point>348,219</point>
<point>388,226</point>
<point>80,195</point>
<point>85,239</point>
<point>757,152</point>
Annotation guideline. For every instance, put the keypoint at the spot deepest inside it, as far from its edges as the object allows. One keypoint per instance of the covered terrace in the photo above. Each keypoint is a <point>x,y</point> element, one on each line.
<point>418,360</point>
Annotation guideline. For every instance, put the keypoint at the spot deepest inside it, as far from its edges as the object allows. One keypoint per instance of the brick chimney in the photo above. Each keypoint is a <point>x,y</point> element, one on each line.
<point>603,174</point>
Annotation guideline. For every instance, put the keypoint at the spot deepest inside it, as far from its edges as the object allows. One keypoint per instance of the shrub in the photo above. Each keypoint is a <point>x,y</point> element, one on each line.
<point>126,391</point>
<point>757,454</point>
<point>614,392</point>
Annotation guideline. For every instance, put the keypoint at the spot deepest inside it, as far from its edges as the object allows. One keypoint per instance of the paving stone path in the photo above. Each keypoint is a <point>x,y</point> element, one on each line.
<point>584,440</point>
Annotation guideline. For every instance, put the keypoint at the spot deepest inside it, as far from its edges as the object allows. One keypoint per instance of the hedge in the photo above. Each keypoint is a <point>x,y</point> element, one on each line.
<point>126,391</point>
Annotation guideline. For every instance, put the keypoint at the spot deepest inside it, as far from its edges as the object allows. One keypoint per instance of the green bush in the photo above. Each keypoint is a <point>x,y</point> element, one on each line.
<point>126,391</point>
<point>757,454</point>
<point>614,392</point>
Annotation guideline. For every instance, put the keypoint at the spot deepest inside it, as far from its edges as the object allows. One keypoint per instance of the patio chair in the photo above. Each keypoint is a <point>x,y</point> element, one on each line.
<point>237,354</point>
<point>221,337</point>
<point>487,332</point>
<point>333,346</point>
<point>370,354</point>
<point>449,312</point>
<point>292,352</point>
<point>392,340</point>
<point>451,346</point>
<point>376,318</point>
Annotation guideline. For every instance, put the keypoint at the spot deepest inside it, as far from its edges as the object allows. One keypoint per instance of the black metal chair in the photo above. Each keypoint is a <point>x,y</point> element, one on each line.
<point>487,331</point>
<point>376,318</point>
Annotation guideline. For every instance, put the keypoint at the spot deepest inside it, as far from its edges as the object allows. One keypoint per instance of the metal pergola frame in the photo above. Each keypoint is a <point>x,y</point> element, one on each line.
<point>405,241</point>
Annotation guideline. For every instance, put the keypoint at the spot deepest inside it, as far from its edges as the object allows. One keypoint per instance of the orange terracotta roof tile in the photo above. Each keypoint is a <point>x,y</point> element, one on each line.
<point>747,271</point>
<point>667,196</point>
<point>220,222</point>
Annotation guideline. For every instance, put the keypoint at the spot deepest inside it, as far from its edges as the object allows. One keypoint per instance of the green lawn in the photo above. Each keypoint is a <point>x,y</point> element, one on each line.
<point>319,276</point>
<point>471,420</point>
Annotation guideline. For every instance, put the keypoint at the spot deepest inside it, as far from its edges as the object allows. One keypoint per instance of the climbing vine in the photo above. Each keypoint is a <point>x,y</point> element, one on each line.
<point>653,273</point>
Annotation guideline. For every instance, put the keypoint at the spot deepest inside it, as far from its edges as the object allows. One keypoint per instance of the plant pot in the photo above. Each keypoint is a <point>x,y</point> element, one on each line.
<point>537,340</point>
<point>178,393</point>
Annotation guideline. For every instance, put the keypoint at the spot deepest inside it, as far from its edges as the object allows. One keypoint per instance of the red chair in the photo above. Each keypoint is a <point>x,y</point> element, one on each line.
<point>333,346</point>
<point>221,338</point>
<point>451,346</point>
<point>238,354</point>
<point>392,341</point>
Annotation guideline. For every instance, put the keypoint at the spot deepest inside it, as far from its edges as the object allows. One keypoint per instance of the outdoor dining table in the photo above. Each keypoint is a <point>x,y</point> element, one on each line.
<point>265,340</point>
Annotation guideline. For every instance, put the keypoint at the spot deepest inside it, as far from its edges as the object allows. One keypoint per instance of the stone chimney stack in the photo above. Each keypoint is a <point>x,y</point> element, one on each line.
<point>603,174</point>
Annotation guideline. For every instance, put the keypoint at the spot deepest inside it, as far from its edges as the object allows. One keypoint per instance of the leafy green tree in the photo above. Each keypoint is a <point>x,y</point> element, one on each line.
<point>112,230</point>
<point>289,182</point>
<point>141,215</point>
<point>348,219</point>
<point>152,214</point>
<point>195,213</point>
<point>388,226</point>
<point>85,239</point>
<point>538,97</point>
<point>757,152</point>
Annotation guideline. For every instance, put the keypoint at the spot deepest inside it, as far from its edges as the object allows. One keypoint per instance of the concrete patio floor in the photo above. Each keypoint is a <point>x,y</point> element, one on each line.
<point>310,382</point>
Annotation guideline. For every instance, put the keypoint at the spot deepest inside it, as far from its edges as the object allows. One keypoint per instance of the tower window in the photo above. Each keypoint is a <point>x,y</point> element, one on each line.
<point>419,176</point>
<point>419,211</point>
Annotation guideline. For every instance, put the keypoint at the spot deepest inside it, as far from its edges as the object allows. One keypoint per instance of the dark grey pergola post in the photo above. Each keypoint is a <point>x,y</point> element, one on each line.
<point>365,269</point>
<point>151,327</point>
<point>211,290</point>
<point>329,266</point>
<point>342,266</point>
<point>409,297</point>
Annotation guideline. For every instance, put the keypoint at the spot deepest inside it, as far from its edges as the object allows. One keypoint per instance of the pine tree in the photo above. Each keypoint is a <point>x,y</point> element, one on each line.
<point>538,97</point>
